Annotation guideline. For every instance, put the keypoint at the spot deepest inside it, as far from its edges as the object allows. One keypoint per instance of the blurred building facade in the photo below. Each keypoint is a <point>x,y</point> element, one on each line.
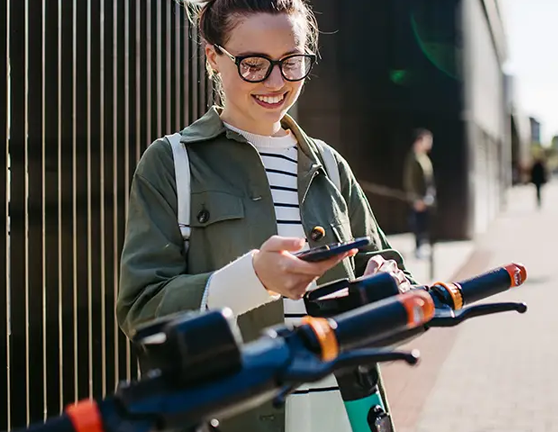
<point>520,133</point>
<point>535,130</point>
<point>389,66</point>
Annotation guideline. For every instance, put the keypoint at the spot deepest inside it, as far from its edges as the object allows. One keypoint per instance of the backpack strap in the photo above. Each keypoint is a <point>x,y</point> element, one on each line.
<point>330,163</point>
<point>183,188</point>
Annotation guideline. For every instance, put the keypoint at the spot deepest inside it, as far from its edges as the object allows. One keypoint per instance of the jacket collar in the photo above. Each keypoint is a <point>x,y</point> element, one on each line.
<point>206,128</point>
<point>210,126</point>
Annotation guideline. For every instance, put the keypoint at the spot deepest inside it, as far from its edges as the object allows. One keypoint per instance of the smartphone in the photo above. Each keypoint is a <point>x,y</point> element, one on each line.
<point>322,253</point>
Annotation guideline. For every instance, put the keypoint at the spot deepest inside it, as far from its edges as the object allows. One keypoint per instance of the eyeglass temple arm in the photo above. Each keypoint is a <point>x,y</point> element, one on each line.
<point>228,54</point>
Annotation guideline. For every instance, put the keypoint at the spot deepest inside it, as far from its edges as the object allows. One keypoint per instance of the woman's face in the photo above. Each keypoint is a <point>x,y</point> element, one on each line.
<point>259,107</point>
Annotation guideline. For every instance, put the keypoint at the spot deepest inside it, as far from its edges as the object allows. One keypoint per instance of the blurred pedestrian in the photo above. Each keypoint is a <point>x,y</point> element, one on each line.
<point>539,177</point>
<point>418,181</point>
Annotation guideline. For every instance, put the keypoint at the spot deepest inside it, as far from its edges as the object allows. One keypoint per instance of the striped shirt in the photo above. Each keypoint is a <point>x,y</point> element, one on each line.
<point>315,407</point>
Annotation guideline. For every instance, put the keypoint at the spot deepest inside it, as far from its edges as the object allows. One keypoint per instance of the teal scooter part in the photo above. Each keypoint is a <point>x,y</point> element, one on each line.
<point>357,411</point>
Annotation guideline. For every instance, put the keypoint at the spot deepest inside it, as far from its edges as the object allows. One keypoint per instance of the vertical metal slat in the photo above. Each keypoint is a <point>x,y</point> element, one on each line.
<point>138,88</point>
<point>82,202</point>
<point>126,149</point>
<point>75,286</point>
<point>193,95</point>
<point>45,296</point>
<point>178,65</point>
<point>97,337</point>
<point>4,227</point>
<point>102,209</point>
<point>18,228</point>
<point>115,180</point>
<point>168,31</point>
<point>89,219</point>
<point>148,63</point>
<point>36,293</point>
<point>52,262</point>
<point>66,187</point>
<point>59,202</point>
<point>158,67</point>
<point>186,73</point>
<point>107,137</point>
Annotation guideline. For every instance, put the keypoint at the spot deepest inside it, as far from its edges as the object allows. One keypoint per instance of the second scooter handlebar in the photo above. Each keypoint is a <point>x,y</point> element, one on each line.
<point>344,295</point>
<point>204,372</point>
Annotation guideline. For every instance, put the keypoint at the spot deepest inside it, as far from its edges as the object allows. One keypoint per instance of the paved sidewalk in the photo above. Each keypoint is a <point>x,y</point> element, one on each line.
<point>493,373</point>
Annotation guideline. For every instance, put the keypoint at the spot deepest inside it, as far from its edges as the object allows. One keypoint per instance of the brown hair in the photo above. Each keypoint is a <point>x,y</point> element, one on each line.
<point>216,18</point>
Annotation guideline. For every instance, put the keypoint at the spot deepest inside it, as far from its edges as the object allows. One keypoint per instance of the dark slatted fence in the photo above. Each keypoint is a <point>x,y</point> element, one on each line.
<point>86,86</point>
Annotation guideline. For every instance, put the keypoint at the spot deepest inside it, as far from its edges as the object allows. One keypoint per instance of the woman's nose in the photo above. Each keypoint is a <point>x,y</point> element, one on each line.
<point>275,79</point>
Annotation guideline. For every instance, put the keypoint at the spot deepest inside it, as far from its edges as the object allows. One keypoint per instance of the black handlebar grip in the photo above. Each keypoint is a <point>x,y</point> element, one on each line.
<point>372,322</point>
<point>487,284</point>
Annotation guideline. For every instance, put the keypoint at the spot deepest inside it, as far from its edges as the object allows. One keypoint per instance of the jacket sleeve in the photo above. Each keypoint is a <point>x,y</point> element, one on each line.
<point>363,223</point>
<point>154,278</point>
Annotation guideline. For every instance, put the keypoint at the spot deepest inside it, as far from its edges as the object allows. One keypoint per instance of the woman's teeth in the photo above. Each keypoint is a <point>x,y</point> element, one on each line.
<point>270,99</point>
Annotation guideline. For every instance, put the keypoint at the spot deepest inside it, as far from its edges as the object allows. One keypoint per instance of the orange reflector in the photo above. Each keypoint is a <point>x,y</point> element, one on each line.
<point>454,291</point>
<point>85,416</point>
<point>326,336</point>
<point>518,274</point>
<point>419,306</point>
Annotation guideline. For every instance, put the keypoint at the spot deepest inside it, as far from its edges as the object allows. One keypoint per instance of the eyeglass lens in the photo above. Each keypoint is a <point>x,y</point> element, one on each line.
<point>256,68</point>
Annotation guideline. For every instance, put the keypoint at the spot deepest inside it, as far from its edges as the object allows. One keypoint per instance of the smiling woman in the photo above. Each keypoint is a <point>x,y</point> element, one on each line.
<point>243,50</point>
<point>259,192</point>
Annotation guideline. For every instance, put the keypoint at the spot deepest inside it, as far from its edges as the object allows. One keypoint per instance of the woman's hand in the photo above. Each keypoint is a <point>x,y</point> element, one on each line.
<point>283,273</point>
<point>378,264</point>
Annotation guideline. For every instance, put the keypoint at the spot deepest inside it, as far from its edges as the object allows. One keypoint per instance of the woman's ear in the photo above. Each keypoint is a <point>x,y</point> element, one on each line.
<point>211,57</point>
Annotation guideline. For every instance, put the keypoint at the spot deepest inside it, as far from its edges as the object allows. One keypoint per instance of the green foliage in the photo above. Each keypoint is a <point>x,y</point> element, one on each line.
<point>548,153</point>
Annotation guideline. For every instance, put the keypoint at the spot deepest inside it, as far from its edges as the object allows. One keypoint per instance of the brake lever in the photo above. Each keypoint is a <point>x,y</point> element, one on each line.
<point>375,355</point>
<point>450,318</point>
<point>315,370</point>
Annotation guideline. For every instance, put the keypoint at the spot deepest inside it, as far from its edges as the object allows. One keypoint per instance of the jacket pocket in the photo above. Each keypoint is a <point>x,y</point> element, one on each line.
<point>211,207</point>
<point>218,230</point>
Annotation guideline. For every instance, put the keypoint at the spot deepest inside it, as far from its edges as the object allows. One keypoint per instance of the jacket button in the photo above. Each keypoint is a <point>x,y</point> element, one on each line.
<point>203,216</point>
<point>317,233</point>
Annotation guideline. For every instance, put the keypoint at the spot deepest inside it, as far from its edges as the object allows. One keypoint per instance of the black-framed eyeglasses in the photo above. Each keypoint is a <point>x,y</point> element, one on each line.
<point>257,68</point>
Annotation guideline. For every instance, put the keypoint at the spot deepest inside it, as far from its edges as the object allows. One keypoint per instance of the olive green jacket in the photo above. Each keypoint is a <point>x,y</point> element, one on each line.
<point>229,187</point>
<point>418,176</point>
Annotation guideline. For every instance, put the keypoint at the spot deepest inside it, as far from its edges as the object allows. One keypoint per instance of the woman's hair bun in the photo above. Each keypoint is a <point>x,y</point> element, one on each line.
<point>194,8</point>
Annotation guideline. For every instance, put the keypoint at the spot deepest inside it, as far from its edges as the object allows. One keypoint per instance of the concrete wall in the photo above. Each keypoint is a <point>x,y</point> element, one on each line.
<point>485,116</point>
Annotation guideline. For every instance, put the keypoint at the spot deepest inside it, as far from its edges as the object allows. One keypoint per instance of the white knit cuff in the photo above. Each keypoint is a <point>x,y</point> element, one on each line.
<point>237,287</point>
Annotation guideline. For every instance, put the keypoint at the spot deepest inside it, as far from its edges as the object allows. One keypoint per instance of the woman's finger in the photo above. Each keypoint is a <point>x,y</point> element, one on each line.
<point>374,265</point>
